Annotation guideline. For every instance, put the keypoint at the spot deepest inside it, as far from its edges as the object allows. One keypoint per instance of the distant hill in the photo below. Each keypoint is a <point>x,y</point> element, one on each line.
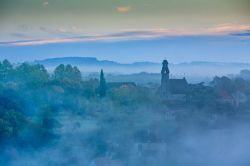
<point>88,61</point>
<point>217,64</point>
<point>196,71</point>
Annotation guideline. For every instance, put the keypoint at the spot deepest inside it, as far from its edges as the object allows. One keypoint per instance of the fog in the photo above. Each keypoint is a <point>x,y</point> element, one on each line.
<point>150,73</point>
<point>61,118</point>
<point>226,144</point>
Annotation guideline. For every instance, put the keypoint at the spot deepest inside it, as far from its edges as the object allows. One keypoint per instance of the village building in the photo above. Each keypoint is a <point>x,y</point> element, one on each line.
<point>172,89</point>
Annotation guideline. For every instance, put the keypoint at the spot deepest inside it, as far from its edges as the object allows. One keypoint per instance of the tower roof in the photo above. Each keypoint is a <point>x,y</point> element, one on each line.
<point>164,62</point>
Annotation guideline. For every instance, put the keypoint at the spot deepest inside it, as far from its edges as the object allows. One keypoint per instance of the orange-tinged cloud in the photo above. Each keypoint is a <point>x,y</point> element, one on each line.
<point>228,28</point>
<point>123,9</point>
<point>134,34</point>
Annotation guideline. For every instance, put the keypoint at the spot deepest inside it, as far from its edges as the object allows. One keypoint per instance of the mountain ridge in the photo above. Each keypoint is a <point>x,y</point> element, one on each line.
<point>95,61</point>
<point>87,61</point>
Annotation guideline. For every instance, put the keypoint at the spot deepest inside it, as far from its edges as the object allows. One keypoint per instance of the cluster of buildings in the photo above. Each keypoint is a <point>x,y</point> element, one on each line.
<point>172,89</point>
<point>178,90</point>
<point>152,145</point>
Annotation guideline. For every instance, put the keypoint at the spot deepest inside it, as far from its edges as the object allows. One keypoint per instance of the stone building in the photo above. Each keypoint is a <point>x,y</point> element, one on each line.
<point>172,89</point>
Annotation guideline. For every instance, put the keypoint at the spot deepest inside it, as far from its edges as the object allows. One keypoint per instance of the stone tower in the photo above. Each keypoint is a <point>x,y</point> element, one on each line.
<point>165,78</point>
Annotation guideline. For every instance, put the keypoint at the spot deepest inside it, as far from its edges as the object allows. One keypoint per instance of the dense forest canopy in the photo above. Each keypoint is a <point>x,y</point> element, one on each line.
<point>60,112</point>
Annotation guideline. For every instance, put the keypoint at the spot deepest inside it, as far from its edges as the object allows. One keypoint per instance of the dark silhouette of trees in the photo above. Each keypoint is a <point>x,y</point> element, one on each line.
<point>224,83</point>
<point>102,85</point>
<point>68,77</point>
<point>34,104</point>
<point>67,73</point>
<point>90,88</point>
<point>31,75</point>
<point>6,70</point>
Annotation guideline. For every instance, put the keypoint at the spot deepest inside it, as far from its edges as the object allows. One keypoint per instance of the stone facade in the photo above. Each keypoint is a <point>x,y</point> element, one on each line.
<point>172,89</point>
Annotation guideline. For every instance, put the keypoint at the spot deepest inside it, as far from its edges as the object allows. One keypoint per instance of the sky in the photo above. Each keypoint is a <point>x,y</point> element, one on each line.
<point>126,30</point>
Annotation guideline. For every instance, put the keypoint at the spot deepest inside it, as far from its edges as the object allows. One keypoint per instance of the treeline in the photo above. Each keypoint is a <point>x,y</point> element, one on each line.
<point>34,105</point>
<point>37,75</point>
<point>222,93</point>
<point>30,96</point>
<point>31,99</point>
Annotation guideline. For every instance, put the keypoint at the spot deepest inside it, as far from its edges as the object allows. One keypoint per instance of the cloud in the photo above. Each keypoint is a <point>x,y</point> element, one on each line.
<point>243,34</point>
<point>228,28</point>
<point>18,35</point>
<point>71,29</point>
<point>45,3</point>
<point>62,30</point>
<point>136,34</point>
<point>123,9</point>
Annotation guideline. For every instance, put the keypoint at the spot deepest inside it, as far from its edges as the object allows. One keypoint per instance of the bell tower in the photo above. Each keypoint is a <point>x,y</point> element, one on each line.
<point>165,78</point>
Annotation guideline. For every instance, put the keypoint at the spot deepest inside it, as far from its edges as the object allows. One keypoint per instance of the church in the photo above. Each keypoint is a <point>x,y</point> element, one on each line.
<point>172,89</point>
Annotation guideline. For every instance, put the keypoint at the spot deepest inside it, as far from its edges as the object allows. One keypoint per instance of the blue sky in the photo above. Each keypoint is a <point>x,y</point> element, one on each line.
<point>230,48</point>
<point>126,30</point>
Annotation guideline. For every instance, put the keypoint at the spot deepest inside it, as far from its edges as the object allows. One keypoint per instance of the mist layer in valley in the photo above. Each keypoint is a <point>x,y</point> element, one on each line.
<point>146,72</point>
<point>61,118</point>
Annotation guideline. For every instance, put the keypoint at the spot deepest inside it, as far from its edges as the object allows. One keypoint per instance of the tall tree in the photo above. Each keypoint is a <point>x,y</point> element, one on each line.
<point>67,73</point>
<point>59,72</point>
<point>6,70</point>
<point>31,75</point>
<point>102,86</point>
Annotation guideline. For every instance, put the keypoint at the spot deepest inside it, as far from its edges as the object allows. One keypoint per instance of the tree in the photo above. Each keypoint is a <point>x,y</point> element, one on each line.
<point>223,84</point>
<point>6,70</point>
<point>68,77</point>
<point>5,130</point>
<point>7,65</point>
<point>89,88</point>
<point>67,73</point>
<point>77,74</point>
<point>59,72</point>
<point>102,85</point>
<point>31,75</point>
<point>16,120</point>
<point>245,74</point>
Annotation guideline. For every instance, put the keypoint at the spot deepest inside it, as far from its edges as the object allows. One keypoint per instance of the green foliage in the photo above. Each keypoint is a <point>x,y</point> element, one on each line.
<point>7,65</point>
<point>132,95</point>
<point>242,85</point>
<point>201,96</point>
<point>6,70</point>
<point>11,124</point>
<point>5,129</point>
<point>224,83</point>
<point>31,75</point>
<point>16,119</point>
<point>68,77</point>
<point>67,73</point>
<point>89,88</point>
<point>34,105</point>
<point>59,72</point>
<point>122,95</point>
